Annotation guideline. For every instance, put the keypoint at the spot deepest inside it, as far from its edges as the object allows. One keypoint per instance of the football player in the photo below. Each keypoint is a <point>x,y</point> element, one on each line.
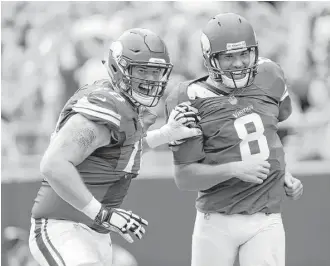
<point>240,104</point>
<point>95,152</point>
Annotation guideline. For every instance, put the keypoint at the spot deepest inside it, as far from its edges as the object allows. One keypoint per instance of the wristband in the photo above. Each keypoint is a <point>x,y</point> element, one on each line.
<point>157,137</point>
<point>92,208</point>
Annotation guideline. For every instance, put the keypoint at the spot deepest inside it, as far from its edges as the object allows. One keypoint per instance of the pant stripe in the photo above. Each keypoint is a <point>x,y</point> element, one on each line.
<point>51,244</point>
<point>40,231</point>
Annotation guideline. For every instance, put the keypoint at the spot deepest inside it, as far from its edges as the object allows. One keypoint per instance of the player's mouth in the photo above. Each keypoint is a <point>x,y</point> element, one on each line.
<point>239,74</point>
<point>146,89</point>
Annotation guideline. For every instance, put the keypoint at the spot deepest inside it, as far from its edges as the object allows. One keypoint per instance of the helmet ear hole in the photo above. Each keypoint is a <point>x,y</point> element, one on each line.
<point>114,68</point>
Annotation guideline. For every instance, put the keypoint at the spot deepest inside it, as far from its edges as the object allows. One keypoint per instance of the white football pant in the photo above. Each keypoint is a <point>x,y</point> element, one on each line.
<point>258,239</point>
<point>66,243</point>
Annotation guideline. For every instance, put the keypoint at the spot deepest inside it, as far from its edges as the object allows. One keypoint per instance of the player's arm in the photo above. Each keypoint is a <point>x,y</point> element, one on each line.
<point>194,174</point>
<point>75,141</point>
<point>199,176</point>
<point>285,107</point>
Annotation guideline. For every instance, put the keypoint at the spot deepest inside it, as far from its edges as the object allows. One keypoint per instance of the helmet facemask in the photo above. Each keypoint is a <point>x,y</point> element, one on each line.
<point>227,76</point>
<point>146,91</point>
<point>141,91</point>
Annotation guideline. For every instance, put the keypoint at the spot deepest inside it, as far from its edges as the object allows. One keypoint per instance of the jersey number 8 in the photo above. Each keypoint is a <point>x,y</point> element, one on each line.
<point>256,136</point>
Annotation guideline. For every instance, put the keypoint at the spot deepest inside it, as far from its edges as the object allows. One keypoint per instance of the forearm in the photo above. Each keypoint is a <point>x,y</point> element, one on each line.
<point>64,178</point>
<point>196,177</point>
<point>156,137</point>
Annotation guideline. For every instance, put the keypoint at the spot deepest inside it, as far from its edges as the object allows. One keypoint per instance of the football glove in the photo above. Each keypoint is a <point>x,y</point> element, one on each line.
<point>185,114</point>
<point>181,125</point>
<point>122,222</point>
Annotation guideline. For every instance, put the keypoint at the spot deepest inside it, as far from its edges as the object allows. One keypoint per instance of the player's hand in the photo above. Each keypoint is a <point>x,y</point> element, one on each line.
<point>181,123</point>
<point>251,171</point>
<point>293,186</point>
<point>122,222</point>
<point>185,114</point>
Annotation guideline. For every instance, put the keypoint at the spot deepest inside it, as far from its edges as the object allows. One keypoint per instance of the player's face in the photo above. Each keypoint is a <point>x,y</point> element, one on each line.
<point>150,74</point>
<point>234,61</point>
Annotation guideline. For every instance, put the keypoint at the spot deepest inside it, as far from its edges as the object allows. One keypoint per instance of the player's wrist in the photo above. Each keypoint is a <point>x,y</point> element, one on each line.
<point>158,137</point>
<point>231,169</point>
<point>92,208</point>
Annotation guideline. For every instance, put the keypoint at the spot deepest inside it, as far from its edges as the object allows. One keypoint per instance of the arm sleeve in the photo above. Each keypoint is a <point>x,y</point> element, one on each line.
<point>285,94</point>
<point>279,87</point>
<point>190,151</point>
<point>99,108</point>
<point>285,109</point>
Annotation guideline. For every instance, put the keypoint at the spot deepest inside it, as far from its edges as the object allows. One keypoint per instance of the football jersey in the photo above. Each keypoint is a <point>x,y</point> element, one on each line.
<point>237,128</point>
<point>108,171</point>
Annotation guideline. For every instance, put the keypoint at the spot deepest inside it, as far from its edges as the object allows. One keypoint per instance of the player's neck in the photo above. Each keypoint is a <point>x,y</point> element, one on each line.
<point>218,85</point>
<point>128,99</point>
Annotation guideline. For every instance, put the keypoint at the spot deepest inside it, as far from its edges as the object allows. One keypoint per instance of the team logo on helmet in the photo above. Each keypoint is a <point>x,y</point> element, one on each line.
<point>206,45</point>
<point>117,50</point>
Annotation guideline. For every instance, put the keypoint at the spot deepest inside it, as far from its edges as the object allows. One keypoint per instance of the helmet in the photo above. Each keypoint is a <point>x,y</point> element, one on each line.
<point>139,48</point>
<point>224,34</point>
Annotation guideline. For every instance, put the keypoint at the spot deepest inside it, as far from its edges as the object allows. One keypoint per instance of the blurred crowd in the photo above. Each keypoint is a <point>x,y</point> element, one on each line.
<point>50,49</point>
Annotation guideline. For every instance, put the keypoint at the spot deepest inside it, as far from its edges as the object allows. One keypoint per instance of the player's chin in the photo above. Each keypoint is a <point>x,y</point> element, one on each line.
<point>145,100</point>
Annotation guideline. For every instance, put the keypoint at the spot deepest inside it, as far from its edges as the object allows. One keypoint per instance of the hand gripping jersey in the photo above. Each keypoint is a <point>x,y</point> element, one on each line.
<point>108,171</point>
<point>236,129</point>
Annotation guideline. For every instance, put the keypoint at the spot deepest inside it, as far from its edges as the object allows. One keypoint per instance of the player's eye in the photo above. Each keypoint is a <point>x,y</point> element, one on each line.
<point>142,71</point>
<point>246,53</point>
<point>156,72</point>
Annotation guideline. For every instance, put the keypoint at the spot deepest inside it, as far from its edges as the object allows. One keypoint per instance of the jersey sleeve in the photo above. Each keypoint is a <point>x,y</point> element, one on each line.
<point>190,151</point>
<point>285,93</point>
<point>99,107</point>
<point>285,109</point>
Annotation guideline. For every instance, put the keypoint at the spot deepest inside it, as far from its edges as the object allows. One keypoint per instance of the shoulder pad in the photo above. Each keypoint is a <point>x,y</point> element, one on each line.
<point>180,93</point>
<point>269,66</point>
<point>101,106</point>
<point>195,90</point>
<point>271,78</point>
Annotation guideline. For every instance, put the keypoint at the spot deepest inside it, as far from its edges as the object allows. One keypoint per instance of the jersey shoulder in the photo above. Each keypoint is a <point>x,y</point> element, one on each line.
<point>101,104</point>
<point>98,102</point>
<point>177,95</point>
<point>185,91</point>
<point>270,78</point>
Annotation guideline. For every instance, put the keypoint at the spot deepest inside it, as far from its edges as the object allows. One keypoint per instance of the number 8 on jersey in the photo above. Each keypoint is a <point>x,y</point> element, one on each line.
<point>247,138</point>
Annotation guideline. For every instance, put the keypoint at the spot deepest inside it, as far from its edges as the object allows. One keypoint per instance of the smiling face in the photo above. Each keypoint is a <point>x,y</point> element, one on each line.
<point>234,62</point>
<point>146,83</point>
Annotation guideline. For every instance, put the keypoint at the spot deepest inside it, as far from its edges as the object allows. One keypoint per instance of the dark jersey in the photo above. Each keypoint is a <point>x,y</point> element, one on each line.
<point>235,129</point>
<point>108,171</point>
